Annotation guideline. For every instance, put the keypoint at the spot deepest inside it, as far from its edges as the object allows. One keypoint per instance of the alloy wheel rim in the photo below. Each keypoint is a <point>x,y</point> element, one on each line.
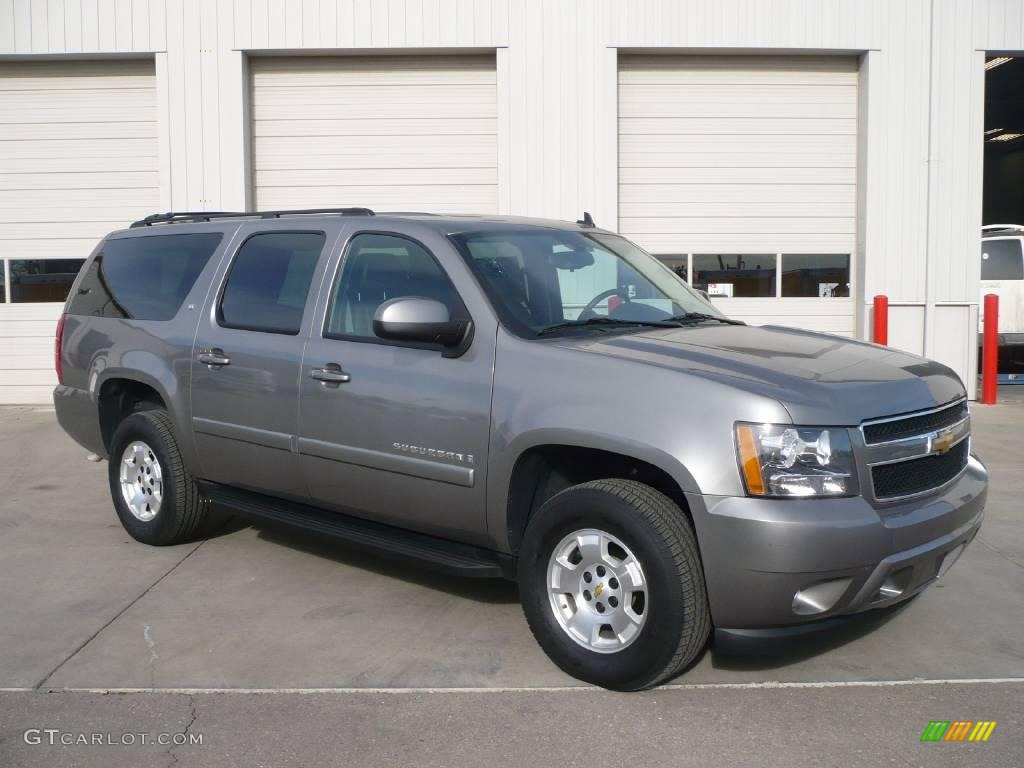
<point>597,590</point>
<point>142,483</point>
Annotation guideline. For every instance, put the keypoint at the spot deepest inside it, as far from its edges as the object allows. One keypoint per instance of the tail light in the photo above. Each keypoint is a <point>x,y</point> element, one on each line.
<point>58,342</point>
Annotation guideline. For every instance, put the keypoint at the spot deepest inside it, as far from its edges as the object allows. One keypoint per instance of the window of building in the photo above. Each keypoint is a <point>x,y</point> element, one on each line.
<point>678,263</point>
<point>144,278</point>
<point>35,281</point>
<point>822,275</point>
<point>1002,260</point>
<point>735,275</point>
<point>380,267</point>
<point>269,281</point>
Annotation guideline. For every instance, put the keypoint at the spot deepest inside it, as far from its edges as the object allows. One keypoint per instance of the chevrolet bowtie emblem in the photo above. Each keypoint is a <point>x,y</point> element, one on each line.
<point>598,590</point>
<point>942,442</point>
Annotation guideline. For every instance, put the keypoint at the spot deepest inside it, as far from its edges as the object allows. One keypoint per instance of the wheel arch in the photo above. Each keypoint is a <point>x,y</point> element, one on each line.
<point>545,468</point>
<point>121,394</point>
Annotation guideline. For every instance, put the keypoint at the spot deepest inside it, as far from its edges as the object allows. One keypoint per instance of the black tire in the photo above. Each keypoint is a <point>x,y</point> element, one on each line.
<point>660,537</point>
<point>181,513</point>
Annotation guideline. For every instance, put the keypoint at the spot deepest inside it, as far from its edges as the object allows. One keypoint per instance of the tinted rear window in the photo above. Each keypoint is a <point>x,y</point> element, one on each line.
<point>144,278</point>
<point>1001,260</point>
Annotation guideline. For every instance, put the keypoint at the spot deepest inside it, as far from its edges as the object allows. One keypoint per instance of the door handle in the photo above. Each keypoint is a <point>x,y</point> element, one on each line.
<point>331,374</point>
<point>214,357</point>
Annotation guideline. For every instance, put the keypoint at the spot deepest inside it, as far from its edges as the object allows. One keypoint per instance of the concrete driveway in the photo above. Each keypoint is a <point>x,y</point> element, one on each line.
<point>299,626</point>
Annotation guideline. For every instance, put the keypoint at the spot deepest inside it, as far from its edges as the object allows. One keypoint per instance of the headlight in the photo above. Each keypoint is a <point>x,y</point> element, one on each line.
<point>780,460</point>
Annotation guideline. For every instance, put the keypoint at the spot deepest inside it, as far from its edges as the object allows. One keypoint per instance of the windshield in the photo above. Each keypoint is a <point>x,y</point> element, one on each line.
<point>553,281</point>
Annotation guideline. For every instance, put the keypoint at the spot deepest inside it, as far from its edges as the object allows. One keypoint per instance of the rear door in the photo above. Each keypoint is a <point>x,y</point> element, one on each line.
<point>248,353</point>
<point>401,435</point>
<point>1002,273</point>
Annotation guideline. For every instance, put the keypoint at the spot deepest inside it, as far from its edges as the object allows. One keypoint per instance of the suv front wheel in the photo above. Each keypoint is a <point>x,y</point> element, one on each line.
<point>612,585</point>
<point>156,499</point>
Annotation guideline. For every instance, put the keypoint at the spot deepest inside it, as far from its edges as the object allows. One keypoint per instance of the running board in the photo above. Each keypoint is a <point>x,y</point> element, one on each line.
<point>438,554</point>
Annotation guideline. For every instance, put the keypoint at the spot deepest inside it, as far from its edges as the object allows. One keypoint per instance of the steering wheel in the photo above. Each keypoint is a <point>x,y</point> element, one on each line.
<point>588,311</point>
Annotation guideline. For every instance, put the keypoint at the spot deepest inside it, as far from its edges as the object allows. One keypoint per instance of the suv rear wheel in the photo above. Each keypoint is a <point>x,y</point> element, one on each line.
<point>156,499</point>
<point>612,585</point>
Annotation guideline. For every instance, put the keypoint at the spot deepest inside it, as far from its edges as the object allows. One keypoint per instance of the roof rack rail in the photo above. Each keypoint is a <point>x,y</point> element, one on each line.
<point>183,217</point>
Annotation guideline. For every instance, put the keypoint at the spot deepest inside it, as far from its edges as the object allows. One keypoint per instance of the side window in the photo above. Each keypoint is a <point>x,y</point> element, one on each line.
<point>269,280</point>
<point>381,267</point>
<point>1002,260</point>
<point>144,278</point>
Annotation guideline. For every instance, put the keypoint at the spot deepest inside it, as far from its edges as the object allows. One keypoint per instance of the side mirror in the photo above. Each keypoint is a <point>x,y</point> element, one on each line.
<point>412,318</point>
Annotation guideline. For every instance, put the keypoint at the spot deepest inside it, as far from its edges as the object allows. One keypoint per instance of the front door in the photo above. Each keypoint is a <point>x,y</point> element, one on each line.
<point>246,361</point>
<point>393,431</point>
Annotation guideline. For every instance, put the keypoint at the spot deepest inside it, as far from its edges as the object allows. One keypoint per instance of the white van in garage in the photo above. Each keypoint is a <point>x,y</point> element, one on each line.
<point>1002,273</point>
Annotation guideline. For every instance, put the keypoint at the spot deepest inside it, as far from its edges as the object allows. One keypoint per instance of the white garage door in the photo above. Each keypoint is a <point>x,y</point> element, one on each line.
<point>740,172</point>
<point>386,132</point>
<point>78,158</point>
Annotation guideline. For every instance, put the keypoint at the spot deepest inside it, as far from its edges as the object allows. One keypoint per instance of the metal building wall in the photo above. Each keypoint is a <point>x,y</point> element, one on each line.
<point>921,104</point>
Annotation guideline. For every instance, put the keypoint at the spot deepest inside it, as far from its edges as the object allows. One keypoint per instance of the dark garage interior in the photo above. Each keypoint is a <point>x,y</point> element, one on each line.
<point>1003,200</point>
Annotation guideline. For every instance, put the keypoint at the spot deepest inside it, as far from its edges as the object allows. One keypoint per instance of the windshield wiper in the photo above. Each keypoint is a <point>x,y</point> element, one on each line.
<point>601,320</point>
<point>697,317</point>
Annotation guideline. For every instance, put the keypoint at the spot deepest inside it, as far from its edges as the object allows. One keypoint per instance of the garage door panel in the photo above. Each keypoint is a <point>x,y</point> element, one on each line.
<point>71,132</point>
<point>740,225</point>
<point>279,151</point>
<point>458,198</point>
<point>767,176</point>
<point>716,242</point>
<point>61,200</point>
<point>354,127</point>
<point>51,248</point>
<point>727,144</point>
<point>759,126</point>
<point>812,70</point>
<point>140,180</point>
<point>412,132</point>
<point>383,110</point>
<point>25,230</point>
<point>376,176</point>
<point>63,149</point>
<point>317,70</point>
<point>83,164</point>
<point>744,159</point>
<point>711,193</point>
<point>705,209</point>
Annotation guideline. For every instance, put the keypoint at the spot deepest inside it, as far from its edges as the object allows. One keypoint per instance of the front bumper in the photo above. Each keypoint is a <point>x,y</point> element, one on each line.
<point>759,553</point>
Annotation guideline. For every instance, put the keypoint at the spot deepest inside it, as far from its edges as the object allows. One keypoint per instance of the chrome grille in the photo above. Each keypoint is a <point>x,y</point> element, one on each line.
<point>916,453</point>
<point>899,427</point>
<point>907,478</point>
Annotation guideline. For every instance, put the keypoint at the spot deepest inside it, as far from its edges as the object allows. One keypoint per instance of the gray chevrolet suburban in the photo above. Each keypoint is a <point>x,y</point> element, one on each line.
<point>538,400</point>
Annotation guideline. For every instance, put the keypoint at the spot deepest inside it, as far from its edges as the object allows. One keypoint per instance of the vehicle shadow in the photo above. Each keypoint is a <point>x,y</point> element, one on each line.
<point>761,652</point>
<point>495,591</point>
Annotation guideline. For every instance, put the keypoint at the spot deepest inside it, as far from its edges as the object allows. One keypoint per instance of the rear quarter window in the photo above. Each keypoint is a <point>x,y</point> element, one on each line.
<point>143,278</point>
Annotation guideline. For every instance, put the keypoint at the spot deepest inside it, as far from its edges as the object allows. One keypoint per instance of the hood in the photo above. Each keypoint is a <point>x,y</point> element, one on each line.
<point>820,379</point>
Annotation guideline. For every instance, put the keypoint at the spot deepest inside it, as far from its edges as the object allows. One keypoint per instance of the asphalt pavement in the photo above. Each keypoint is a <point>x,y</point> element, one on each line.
<point>283,650</point>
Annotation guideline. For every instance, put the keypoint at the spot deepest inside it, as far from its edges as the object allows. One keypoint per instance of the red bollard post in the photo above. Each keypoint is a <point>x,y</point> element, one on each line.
<point>881,332</point>
<point>990,351</point>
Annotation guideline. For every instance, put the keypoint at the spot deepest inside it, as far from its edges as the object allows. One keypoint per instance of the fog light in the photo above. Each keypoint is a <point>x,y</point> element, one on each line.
<point>895,585</point>
<point>820,597</point>
<point>950,558</point>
